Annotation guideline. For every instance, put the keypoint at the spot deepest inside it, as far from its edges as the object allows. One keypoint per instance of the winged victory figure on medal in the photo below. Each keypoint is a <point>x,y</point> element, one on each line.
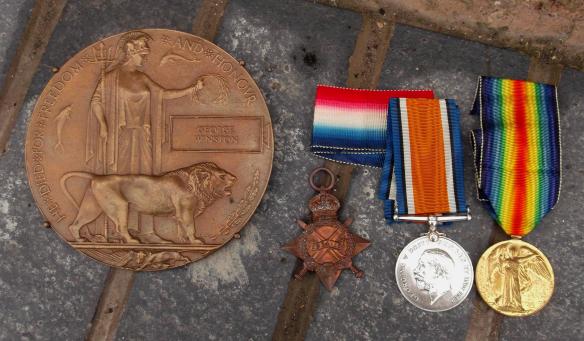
<point>513,270</point>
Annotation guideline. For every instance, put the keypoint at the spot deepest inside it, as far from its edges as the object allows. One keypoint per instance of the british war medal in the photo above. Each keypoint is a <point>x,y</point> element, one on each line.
<point>426,167</point>
<point>416,140</point>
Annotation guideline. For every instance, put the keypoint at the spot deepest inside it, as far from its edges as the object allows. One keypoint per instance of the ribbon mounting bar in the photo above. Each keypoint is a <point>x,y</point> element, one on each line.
<point>432,219</point>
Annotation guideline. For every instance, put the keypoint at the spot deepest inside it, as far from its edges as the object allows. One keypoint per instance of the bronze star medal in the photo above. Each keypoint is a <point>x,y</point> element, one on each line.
<point>326,246</point>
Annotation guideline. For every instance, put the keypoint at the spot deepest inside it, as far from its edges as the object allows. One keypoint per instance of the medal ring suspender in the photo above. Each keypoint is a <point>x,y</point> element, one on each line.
<point>433,221</point>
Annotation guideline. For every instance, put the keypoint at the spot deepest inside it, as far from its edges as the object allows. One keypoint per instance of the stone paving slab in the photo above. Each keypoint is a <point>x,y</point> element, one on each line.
<point>550,29</point>
<point>49,291</point>
<point>13,15</point>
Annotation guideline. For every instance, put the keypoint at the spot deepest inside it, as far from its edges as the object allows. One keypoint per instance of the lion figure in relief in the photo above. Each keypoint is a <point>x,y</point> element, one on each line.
<point>183,193</point>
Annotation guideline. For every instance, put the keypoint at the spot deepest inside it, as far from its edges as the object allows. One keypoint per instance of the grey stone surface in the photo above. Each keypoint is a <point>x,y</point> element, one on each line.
<point>48,291</point>
<point>13,18</point>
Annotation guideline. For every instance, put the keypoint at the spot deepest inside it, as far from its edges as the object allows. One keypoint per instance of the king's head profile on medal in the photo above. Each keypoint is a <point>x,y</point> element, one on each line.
<point>415,139</point>
<point>149,149</point>
<point>434,273</point>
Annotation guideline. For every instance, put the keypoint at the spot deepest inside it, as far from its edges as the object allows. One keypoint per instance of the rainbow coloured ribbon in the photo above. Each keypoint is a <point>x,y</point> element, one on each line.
<point>350,125</point>
<point>425,159</point>
<point>517,151</point>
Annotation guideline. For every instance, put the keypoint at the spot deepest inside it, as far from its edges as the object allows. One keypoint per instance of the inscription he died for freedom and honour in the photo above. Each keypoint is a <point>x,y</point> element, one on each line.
<point>434,275</point>
<point>149,149</point>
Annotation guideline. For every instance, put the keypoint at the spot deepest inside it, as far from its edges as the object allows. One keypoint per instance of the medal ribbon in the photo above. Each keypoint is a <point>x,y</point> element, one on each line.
<point>426,158</point>
<point>370,127</point>
<point>517,151</point>
<point>350,125</point>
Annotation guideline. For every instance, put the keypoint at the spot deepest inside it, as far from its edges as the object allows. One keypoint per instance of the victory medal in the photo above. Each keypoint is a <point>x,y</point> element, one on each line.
<point>518,161</point>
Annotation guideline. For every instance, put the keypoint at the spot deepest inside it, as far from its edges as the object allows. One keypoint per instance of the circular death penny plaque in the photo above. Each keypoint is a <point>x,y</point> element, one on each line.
<point>149,149</point>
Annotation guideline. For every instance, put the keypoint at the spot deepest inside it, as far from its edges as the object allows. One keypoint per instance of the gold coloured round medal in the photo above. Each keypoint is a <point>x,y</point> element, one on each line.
<point>515,278</point>
<point>149,149</point>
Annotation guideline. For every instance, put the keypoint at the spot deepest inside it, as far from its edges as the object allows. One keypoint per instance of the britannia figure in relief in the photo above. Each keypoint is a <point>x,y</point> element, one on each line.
<point>125,127</point>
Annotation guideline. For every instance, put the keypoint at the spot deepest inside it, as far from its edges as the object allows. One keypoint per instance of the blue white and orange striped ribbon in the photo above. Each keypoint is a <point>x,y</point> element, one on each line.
<point>425,159</point>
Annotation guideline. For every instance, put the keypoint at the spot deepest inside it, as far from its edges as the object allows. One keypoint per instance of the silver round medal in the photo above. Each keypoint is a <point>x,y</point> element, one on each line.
<point>434,275</point>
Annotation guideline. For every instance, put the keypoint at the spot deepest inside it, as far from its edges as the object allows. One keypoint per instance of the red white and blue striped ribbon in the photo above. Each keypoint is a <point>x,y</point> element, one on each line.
<point>350,125</point>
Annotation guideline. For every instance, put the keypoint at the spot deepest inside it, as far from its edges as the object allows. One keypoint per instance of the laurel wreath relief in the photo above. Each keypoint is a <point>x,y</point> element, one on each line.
<point>244,208</point>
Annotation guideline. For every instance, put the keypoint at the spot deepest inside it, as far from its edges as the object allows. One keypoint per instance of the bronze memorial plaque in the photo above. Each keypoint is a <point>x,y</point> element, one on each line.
<point>149,149</point>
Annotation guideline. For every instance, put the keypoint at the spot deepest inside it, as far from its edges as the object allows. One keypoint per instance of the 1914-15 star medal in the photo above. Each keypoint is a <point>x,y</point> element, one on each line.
<point>326,246</point>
